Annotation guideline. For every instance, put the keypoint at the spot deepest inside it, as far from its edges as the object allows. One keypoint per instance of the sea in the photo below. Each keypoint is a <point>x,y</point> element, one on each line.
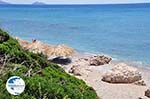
<point>119,30</point>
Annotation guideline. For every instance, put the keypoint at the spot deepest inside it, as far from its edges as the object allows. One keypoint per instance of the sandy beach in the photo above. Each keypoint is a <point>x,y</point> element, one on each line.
<point>128,80</point>
<point>92,75</point>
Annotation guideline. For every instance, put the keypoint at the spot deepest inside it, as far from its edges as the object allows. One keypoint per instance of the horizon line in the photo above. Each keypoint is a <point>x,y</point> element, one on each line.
<point>75,3</point>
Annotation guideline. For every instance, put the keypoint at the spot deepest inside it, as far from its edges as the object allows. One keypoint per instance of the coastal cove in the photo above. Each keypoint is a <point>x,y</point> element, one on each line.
<point>121,31</point>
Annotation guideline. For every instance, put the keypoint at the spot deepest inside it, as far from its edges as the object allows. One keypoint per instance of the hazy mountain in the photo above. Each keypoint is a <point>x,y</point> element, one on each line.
<point>38,3</point>
<point>3,2</point>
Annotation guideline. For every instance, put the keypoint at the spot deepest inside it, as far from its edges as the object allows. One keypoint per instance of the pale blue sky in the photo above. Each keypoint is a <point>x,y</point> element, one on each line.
<point>79,1</point>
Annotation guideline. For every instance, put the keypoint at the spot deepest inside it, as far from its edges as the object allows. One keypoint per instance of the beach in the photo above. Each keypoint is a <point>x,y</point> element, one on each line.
<point>91,68</point>
<point>92,75</point>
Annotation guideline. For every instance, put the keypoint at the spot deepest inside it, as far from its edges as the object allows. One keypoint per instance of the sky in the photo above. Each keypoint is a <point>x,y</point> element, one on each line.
<point>78,1</point>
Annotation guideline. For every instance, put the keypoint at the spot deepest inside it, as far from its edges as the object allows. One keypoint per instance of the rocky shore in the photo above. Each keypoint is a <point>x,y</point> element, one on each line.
<point>111,80</point>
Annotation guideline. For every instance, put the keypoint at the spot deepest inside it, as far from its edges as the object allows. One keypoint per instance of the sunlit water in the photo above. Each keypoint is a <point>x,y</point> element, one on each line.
<point>122,31</point>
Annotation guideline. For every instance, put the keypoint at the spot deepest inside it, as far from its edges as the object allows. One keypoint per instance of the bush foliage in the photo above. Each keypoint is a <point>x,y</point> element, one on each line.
<point>43,79</point>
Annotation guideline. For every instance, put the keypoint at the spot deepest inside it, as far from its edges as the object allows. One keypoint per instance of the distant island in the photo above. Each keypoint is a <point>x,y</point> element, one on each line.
<point>3,2</point>
<point>38,3</point>
<point>34,3</point>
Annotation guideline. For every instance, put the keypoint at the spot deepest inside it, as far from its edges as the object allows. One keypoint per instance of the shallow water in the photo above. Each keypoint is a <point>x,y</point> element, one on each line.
<point>122,31</point>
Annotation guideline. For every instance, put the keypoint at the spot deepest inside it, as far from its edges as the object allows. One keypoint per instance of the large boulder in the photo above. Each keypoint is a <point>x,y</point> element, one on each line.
<point>75,70</point>
<point>147,93</point>
<point>99,60</point>
<point>122,73</point>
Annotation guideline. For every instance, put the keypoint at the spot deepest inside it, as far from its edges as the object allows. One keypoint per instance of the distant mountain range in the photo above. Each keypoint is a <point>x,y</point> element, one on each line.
<point>3,2</point>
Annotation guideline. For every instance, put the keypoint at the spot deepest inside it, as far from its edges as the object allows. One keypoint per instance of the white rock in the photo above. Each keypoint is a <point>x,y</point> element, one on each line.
<point>75,70</point>
<point>122,73</point>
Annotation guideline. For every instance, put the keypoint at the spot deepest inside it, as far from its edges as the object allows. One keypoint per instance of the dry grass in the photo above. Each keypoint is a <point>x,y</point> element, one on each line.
<point>48,50</point>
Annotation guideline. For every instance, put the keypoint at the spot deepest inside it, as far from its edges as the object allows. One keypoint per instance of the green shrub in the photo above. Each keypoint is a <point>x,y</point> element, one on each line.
<point>45,80</point>
<point>3,36</point>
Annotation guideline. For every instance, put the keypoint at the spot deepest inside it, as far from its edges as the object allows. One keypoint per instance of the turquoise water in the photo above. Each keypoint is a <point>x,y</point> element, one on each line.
<point>122,31</point>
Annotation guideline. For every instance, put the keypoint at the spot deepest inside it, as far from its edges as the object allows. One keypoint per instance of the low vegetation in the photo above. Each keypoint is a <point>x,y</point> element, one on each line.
<point>44,80</point>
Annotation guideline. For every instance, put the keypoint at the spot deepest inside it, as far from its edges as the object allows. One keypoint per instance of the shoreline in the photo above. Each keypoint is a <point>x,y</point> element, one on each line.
<point>136,64</point>
<point>81,68</point>
<point>92,75</point>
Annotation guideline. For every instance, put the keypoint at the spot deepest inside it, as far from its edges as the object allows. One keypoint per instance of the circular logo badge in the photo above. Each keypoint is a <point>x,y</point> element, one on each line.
<point>15,85</point>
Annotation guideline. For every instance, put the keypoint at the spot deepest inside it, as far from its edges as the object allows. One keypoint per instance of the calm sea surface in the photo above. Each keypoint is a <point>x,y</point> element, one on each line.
<point>122,31</point>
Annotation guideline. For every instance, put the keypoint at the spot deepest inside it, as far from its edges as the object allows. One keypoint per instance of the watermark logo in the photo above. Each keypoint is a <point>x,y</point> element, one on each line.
<point>15,85</point>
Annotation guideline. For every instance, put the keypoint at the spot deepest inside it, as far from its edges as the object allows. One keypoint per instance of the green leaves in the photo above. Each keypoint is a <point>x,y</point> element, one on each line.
<point>43,79</point>
<point>3,36</point>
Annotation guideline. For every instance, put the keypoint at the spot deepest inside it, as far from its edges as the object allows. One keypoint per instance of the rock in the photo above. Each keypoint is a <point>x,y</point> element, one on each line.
<point>140,83</point>
<point>75,70</point>
<point>147,93</point>
<point>122,73</point>
<point>61,60</point>
<point>99,60</point>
